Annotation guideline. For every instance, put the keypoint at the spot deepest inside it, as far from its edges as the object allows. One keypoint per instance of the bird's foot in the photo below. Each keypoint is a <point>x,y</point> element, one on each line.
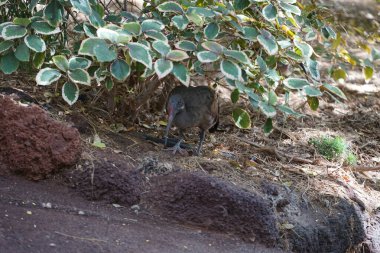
<point>177,148</point>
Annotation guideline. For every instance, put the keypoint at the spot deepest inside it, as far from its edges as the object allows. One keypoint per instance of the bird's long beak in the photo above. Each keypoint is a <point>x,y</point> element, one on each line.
<point>169,124</point>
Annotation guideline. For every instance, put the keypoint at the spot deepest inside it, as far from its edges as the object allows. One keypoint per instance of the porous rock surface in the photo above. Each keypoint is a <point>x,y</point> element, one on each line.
<point>32,143</point>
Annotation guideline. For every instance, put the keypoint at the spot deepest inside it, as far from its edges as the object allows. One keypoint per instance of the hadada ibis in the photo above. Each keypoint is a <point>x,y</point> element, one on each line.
<point>192,107</point>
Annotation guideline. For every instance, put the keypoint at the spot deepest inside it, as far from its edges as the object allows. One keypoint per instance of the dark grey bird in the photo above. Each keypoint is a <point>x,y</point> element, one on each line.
<point>189,107</point>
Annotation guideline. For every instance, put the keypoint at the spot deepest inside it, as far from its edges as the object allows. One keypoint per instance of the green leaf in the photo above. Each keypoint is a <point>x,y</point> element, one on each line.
<point>170,6</point>
<point>180,22</point>
<point>47,76</point>
<point>338,74</point>
<point>268,126</point>
<point>79,63</point>
<point>53,13</point>
<point>241,4</point>
<point>82,5</point>
<point>296,83</point>
<point>313,103</point>
<point>9,63</point>
<point>289,111</point>
<point>39,59</point>
<point>96,18</point>
<point>87,46</point>
<point>157,35</point>
<point>98,142</point>
<point>262,64</point>
<point>70,92</point>
<point>107,34</point>
<point>268,42</point>
<point>152,24</point>
<point>79,76</point>
<point>241,118</point>
<point>21,21</point>
<point>11,32</point>
<point>294,56</point>
<point>181,73</point>
<point>133,28</point>
<point>290,8</point>
<point>207,56</point>
<point>61,62</point>
<point>239,56</point>
<point>42,27</point>
<point>108,83</point>
<point>32,5</point>
<point>306,49</point>
<point>177,55</point>
<point>105,53</point>
<point>201,11</point>
<point>230,70</point>
<point>335,91</point>
<point>313,69</point>
<point>267,109</point>
<point>272,98</point>
<point>195,18</point>
<point>312,92</point>
<point>35,43</point>
<point>250,33</point>
<point>328,33</point>
<point>213,46</point>
<point>186,45</point>
<point>22,52</point>
<point>270,12</point>
<point>5,45</point>
<point>235,94</point>
<point>120,70</point>
<point>140,53</point>
<point>211,31</point>
<point>162,47</point>
<point>368,73</point>
<point>163,67</point>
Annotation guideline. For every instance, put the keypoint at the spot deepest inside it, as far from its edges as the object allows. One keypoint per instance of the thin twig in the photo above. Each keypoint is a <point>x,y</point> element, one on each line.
<point>360,168</point>
<point>280,155</point>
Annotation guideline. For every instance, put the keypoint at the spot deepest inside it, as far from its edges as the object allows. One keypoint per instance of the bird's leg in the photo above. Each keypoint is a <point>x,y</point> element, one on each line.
<point>177,146</point>
<point>202,135</point>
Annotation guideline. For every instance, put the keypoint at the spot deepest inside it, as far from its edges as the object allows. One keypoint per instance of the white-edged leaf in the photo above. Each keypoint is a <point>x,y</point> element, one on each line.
<point>212,30</point>
<point>241,118</point>
<point>70,92</point>
<point>157,35</point>
<point>239,56</point>
<point>11,32</point>
<point>180,22</point>
<point>140,53</point>
<point>43,27</point>
<point>207,56</point>
<point>120,70</point>
<point>35,43</point>
<point>289,111</point>
<point>213,46</point>
<point>47,76</point>
<point>152,24</point>
<point>163,67</point>
<point>61,62</point>
<point>161,46</point>
<point>296,83</point>
<point>250,33</point>
<point>82,5</point>
<point>290,8</point>
<point>79,76</point>
<point>181,73</point>
<point>186,45</point>
<point>267,109</point>
<point>107,34</point>
<point>270,12</point>
<point>312,92</point>
<point>133,28</point>
<point>170,6</point>
<point>79,63</point>
<point>177,55</point>
<point>268,42</point>
<point>335,90</point>
<point>230,70</point>
<point>313,69</point>
<point>306,49</point>
<point>9,63</point>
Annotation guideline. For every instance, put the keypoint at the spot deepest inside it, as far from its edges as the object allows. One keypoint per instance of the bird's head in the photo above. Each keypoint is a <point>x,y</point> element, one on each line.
<point>175,105</point>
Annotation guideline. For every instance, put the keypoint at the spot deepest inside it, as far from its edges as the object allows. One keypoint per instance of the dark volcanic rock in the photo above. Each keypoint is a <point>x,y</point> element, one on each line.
<point>204,201</point>
<point>32,143</point>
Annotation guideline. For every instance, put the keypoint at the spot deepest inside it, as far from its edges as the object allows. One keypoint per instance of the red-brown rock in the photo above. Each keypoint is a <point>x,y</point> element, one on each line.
<point>32,143</point>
